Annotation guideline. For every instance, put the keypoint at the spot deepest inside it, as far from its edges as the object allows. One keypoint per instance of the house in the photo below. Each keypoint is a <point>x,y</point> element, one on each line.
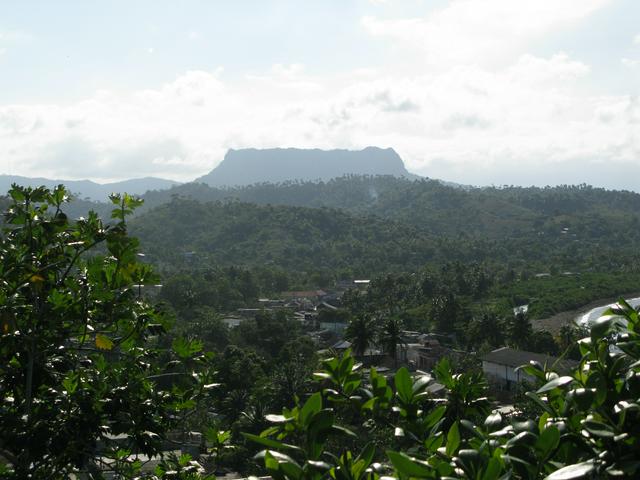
<point>500,366</point>
<point>346,284</point>
<point>270,303</point>
<point>426,354</point>
<point>371,356</point>
<point>326,306</point>
<point>341,346</point>
<point>307,294</point>
<point>232,322</point>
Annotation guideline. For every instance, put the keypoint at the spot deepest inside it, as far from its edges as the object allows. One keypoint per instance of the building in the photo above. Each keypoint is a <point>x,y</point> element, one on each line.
<point>428,351</point>
<point>500,366</point>
<point>314,295</point>
<point>233,322</point>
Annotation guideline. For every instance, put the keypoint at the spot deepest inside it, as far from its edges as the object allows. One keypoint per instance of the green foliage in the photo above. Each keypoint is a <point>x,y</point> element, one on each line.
<point>586,424</point>
<point>81,364</point>
<point>361,331</point>
<point>293,238</point>
<point>496,211</point>
<point>221,289</point>
<point>549,295</point>
<point>564,228</point>
<point>84,358</point>
<point>267,333</point>
<point>181,468</point>
<point>390,336</point>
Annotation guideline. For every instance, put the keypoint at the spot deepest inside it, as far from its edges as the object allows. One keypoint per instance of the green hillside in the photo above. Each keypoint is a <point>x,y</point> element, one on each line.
<point>442,209</point>
<point>294,238</point>
<point>306,239</point>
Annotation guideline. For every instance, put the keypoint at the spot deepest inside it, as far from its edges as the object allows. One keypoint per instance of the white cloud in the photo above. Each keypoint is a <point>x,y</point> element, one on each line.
<point>630,63</point>
<point>287,77</point>
<point>481,32</point>
<point>15,36</point>
<point>464,124</point>
<point>481,109</point>
<point>557,69</point>
<point>636,39</point>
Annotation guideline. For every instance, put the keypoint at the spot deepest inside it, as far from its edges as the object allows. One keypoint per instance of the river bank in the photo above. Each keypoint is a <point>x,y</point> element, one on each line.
<point>554,323</point>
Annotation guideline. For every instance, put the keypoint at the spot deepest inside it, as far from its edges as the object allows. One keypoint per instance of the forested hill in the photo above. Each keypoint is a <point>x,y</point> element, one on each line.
<point>370,225</point>
<point>293,238</point>
<point>314,239</point>
<point>579,211</point>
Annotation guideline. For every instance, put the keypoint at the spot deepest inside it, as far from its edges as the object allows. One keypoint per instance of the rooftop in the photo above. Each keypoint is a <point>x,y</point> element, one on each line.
<point>515,358</point>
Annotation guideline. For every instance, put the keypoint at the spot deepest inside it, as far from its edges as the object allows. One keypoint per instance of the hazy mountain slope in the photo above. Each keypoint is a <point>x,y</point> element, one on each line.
<point>295,238</point>
<point>312,239</point>
<point>439,209</point>
<point>571,212</point>
<point>88,189</point>
<point>247,166</point>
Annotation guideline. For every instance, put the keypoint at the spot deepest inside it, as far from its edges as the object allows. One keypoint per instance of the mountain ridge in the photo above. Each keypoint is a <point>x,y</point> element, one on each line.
<point>90,189</point>
<point>272,165</point>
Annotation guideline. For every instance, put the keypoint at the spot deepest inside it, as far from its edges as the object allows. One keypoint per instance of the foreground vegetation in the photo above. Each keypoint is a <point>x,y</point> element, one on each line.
<point>94,378</point>
<point>85,377</point>
<point>583,425</point>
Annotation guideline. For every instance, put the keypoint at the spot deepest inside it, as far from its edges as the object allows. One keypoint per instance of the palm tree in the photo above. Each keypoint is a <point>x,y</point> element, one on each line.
<point>520,332</point>
<point>361,332</point>
<point>390,336</point>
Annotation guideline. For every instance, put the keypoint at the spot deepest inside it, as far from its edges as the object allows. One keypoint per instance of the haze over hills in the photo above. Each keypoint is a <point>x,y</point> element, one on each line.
<point>246,167</point>
<point>249,166</point>
<point>566,218</point>
<point>91,190</point>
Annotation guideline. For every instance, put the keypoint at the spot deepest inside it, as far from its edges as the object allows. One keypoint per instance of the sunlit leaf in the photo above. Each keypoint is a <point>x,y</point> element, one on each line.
<point>103,342</point>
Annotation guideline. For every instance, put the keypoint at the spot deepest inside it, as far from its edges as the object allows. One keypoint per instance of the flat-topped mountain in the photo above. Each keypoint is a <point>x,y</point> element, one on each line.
<point>248,166</point>
<point>88,189</point>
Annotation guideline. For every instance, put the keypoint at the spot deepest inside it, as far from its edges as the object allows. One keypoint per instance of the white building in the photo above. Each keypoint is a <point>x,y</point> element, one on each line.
<point>500,366</point>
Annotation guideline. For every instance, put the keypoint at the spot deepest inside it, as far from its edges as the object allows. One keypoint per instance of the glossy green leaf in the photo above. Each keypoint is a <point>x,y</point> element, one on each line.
<point>572,472</point>
<point>555,383</point>
<point>453,439</point>
<point>547,441</point>
<point>409,467</point>
<point>493,421</point>
<point>404,385</point>
<point>269,443</point>
<point>312,406</point>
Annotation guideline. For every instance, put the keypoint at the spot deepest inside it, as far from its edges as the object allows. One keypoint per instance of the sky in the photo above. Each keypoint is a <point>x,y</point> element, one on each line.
<point>480,92</point>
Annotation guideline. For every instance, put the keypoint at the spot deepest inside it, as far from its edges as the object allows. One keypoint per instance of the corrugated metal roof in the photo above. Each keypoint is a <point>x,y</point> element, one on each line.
<point>515,358</point>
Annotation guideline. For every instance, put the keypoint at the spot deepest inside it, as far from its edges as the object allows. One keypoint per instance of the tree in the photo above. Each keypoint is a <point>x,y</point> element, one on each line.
<point>485,330</point>
<point>290,377</point>
<point>79,350</point>
<point>203,323</point>
<point>568,340</point>
<point>445,310</point>
<point>268,332</point>
<point>390,336</point>
<point>519,331</point>
<point>361,332</point>
<point>238,372</point>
